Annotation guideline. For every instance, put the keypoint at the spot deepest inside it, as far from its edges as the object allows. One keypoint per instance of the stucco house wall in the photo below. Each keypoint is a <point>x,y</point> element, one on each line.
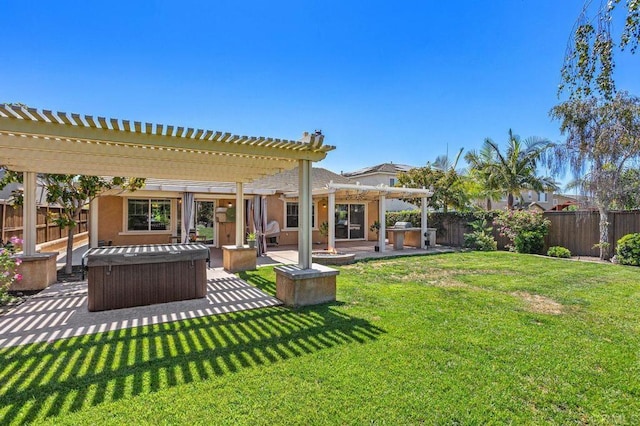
<point>386,174</point>
<point>112,211</point>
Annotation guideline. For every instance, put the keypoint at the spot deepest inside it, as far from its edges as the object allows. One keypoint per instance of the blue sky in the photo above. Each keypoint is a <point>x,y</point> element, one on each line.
<point>384,81</point>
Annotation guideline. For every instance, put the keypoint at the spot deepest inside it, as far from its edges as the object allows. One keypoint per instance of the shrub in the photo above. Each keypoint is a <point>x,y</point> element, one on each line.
<point>628,250</point>
<point>481,237</point>
<point>524,228</point>
<point>8,265</point>
<point>558,251</point>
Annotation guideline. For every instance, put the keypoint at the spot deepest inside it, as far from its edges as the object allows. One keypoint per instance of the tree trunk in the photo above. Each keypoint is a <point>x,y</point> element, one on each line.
<point>510,201</point>
<point>489,206</point>
<point>68,267</point>
<point>604,234</point>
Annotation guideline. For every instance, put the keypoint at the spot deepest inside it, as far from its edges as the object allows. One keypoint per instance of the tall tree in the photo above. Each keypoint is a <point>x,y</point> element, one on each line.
<point>630,194</point>
<point>480,166</point>
<point>516,169</point>
<point>72,193</point>
<point>442,176</point>
<point>590,57</point>
<point>603,137</point>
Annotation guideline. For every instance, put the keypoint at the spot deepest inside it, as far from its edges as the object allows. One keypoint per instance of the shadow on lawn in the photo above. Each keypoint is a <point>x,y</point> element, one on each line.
<point>46,380</point>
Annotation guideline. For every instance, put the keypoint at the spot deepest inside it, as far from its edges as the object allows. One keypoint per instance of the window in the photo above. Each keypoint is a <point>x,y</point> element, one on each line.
<point>291,215</point>
<point>542,197</point>
<point>392,182</point>
<point>148,215</point>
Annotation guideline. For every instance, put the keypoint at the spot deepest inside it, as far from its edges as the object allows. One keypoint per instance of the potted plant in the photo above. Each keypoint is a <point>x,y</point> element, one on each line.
<point>251,239</point>
<point>375,227</point>
<point>324,230</point>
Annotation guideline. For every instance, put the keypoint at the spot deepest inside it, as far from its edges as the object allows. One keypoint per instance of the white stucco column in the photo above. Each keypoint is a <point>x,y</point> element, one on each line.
<point>29,210</point>
<point>93,223</point>
<point>331,220</point>
<point>239,214</point>
<point>304,214</point>
<point>382,218</point>
<point>423,224</point>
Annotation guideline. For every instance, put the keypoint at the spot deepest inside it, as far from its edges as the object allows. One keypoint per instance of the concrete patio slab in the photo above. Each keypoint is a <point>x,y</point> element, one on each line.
<point>60,311</point>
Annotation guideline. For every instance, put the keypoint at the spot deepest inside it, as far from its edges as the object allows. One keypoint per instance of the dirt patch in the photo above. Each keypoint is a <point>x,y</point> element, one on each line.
<point>539,304</point>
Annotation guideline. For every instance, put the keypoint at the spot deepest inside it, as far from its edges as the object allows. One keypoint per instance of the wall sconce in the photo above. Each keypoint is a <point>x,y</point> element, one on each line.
<point>230,204</point>
<point>324,205</point>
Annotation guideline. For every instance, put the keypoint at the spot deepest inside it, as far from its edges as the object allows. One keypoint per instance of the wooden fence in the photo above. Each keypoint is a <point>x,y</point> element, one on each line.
<point>578,231</point>
<point>11,223</point>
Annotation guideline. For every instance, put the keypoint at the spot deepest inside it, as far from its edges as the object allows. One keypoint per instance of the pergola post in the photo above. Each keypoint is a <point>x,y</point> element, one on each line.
<point>331,220</point>
<point>93,223</point>
<point>423,225</point>
<point>239,214</point>
<point>382,218</point>
<point>38,270</point>
<point>29,214</point>
<point>238,257</point>
<point>304,214</point>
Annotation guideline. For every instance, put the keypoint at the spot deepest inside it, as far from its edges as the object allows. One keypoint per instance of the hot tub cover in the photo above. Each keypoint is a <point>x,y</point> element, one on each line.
<point>149,253</point>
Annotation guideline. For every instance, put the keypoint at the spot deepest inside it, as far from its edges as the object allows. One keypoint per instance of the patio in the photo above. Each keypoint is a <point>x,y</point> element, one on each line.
<point>60,311</point>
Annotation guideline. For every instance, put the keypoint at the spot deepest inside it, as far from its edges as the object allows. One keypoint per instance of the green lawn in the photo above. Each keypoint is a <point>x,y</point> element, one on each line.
<point>466,338</point>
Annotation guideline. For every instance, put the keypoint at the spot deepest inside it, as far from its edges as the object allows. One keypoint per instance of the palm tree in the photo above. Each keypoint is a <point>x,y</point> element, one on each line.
<point>452,181</point>
<point>515,170</point>
<point>480,172</point>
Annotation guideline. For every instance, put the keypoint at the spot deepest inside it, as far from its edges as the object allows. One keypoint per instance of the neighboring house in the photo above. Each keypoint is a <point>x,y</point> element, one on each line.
<point>528,198</point>
<point>386,174</point>
<point>153,214</point>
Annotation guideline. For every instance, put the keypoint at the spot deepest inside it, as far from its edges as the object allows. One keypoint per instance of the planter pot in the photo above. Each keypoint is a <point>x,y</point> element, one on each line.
<point>376,248</point>
<point>252,243</point>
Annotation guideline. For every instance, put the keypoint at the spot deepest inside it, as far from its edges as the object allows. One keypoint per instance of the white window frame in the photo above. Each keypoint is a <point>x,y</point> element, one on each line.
<point>125,217</point>
<point>546,197</point>
<point>314,225</point>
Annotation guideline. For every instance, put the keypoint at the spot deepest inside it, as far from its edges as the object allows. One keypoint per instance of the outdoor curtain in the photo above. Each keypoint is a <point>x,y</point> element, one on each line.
<point>260,222</point>
<point>187,214</point>
<point>257,217</point>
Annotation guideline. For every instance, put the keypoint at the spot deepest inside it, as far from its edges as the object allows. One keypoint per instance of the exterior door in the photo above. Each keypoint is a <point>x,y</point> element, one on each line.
<point>204,219</point>
<point>350,221</point>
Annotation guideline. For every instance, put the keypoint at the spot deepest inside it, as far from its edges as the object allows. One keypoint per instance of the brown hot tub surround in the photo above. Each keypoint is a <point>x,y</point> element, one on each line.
<point>126,276</point>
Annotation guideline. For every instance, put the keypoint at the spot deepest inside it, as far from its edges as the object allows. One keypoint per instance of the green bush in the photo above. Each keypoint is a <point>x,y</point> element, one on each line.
<point>628,250</point>
<point>529,242</point>
<point>524,228</point>
<point>481,238</point>
<point>558,251</point>
<point>480,241</point>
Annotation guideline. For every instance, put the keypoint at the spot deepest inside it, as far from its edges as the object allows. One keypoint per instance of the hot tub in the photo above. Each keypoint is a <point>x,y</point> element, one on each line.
<point>126,276</point>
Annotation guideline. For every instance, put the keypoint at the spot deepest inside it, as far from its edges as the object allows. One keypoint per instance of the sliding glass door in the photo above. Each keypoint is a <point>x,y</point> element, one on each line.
<point>205,222</point>
<point>350,221</point>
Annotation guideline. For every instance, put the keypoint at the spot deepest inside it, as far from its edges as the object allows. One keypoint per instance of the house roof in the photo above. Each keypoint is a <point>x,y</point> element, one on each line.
<point>390,168</point>
<point>43,141</point>
<point>287,181</point>
<point>282,182</point>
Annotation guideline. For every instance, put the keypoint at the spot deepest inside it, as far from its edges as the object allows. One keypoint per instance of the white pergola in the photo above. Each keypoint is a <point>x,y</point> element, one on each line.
<point>371,193</point>
<point>40,141</point>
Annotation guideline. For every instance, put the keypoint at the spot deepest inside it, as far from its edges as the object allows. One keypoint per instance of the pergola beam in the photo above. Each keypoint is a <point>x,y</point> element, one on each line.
<point>19,123</point>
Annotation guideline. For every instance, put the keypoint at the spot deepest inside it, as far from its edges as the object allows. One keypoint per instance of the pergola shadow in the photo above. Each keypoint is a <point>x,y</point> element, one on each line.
<point>47,380</point>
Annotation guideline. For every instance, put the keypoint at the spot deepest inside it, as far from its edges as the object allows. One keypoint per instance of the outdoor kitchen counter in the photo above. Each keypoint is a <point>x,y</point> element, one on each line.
<point>413,238</point>
<point>126,276</point>
<point>398,236</point>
